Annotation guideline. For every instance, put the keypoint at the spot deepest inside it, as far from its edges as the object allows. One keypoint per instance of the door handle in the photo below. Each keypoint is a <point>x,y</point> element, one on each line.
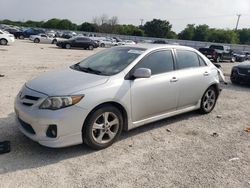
<point>206,73</point>
<point>174,79</point>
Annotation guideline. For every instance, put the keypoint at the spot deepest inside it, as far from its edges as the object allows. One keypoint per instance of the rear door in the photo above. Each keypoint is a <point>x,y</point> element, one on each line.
<point>193,77</point>
<point>158,94</point>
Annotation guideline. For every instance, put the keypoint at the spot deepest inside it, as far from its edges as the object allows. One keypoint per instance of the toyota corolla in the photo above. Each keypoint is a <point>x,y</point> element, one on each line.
<point>116,89</point>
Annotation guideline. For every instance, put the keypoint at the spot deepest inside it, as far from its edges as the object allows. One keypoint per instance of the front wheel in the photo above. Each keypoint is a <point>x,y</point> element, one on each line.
<point>3,42</point>
<point>67,46</point>
<point>208,100</point>
<point>102,127</point>
<point>36,40</point>
<point>91,47</point>
<point>233,77</point>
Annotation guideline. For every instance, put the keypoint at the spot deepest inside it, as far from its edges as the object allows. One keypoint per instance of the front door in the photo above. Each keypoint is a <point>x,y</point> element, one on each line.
<point>158,94</point>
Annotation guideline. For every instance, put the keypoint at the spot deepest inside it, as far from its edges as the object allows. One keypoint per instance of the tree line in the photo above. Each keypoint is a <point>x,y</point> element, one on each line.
<point>155,28</point>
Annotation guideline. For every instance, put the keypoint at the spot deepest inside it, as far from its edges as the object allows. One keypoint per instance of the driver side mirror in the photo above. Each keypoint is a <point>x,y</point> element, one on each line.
<point>142,73</point>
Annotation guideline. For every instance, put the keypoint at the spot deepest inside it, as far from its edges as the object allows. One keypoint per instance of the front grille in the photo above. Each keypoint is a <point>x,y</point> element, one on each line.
<point>26,126</point>
<point>31,97</point>
<point>244,71</point>
<point>28,100</point>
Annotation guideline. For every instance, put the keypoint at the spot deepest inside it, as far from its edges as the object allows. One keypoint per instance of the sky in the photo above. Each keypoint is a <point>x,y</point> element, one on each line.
<point>215,13</point>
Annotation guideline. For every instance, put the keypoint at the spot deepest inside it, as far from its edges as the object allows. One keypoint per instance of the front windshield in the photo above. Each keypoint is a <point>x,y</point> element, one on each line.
<point>110,61</point>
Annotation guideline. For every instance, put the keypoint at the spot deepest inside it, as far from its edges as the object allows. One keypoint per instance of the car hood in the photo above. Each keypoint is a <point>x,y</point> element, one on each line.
<point>65,82</point>
<point>245,65</point>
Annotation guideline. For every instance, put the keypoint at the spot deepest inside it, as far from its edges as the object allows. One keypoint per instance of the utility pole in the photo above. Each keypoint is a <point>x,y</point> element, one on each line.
<point>142,20</point>
<point>238,20</point>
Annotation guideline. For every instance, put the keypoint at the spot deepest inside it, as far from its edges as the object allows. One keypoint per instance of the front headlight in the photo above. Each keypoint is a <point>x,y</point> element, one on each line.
<point>55,103</point>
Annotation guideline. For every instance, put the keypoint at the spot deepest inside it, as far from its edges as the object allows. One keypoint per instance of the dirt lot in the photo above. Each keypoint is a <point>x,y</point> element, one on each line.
<point>176,152</point>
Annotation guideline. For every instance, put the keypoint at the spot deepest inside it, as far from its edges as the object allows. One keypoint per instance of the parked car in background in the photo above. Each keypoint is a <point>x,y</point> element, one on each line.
<point>241,73</point>
<point>78,42</point>
<point>28,32</point>
<point>13,31</point>
<point>117,89</point>
<point>160,42</point>
<point>6,38</point>
<point>126,42</point>
<point>218,53</point>
<point>239,56</point>
<point>107,43</point>
<point>42,38</point>
<point>247,53</point>
<point>209,53</point>
<point>68,34</point>
<point>117,39</point>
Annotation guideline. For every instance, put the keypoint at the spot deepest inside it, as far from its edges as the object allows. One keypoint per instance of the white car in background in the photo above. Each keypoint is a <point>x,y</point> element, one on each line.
<point>43,38</point>
<point>6,38</point>
<point>107,43</point>
<point>126,42</point>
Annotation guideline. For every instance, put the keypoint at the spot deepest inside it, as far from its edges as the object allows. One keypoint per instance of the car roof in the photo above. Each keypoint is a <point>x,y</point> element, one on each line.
<point>160,46</point>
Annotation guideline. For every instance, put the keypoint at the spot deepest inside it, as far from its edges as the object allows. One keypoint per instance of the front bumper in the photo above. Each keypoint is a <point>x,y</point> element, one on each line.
<point>34,123</point>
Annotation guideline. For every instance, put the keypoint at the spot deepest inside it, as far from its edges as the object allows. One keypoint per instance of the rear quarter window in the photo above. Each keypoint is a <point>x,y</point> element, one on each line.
<point>187,59</point>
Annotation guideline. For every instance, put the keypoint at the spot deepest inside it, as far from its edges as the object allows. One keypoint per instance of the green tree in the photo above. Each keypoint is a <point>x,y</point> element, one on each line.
<point>244,36</point>
<point>201,33</point>
<point>187,33</point>
<point>158,28</point>
<point>52,23</point>
<point>130,30</point>
<point>223,36</point>
<point>89,27</point>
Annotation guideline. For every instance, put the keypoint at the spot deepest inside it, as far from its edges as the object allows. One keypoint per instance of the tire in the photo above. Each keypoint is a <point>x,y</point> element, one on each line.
<point>36,40</point>
<point>208,100</point>
<point>218,59</point>
<point>3,42</point>
<point>233,77</point>
<point>54,41</point>
<point>91,47</point>
<point>21,37</point>
<point>67,46</point>
<point>102,45</point>
<point>98,132</point>
<point>232,60</point>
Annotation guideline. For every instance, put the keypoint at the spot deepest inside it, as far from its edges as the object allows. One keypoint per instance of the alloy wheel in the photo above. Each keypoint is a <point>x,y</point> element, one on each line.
<point>209,100</point>
<point>105,127</point>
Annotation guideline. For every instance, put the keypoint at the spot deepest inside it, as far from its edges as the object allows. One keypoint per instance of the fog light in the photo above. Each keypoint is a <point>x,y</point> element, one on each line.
<point>52,131</point>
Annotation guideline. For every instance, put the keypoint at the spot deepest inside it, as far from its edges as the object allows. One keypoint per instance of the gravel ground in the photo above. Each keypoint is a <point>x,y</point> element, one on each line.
<point>182,151</point>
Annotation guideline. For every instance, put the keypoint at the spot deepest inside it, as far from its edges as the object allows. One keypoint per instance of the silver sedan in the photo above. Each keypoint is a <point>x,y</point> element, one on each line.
<point>116,89</point>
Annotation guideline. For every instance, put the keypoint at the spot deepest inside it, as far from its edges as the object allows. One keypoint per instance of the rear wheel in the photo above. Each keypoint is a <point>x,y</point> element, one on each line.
<point>102,45</point>
<point>67,46</point>
<point>218,59</point>
<point>3,42</point>
<point>208,100</point>
<point>54,41</point>
<point>91,47</point>
<point>36,40</point>
<point>233,59</point>
<point>102,127</point>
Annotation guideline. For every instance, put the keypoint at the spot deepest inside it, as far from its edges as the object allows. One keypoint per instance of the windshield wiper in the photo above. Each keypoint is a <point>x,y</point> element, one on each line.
<point>88,69</point>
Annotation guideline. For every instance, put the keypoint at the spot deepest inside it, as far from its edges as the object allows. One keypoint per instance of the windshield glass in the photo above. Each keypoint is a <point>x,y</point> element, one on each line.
<point>110,61</point>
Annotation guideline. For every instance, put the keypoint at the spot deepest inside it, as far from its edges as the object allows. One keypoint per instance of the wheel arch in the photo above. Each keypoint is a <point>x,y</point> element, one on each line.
<point>116,105</point>
<point>217,88</point>
<point>4,39</point>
